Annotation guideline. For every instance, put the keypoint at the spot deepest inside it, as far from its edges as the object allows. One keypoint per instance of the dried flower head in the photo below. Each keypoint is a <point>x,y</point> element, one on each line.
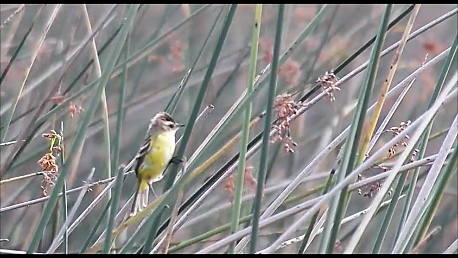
<point>433,46</point>
<point>328,83</point>
<point>48,162</point>
<point>230,184</point>
<point>57,150</point>
<point>284,107</point>
<point>58,98</point>
<point>51,135</point>
<point>266,47</point>
<point>248,180</point>
<point>49,167</point>
<point>290,72</point>
<point>396,130</point>
<point>176,56</point>
<point>74,109</point>
<point>369,191</point>
<point>176,49</point>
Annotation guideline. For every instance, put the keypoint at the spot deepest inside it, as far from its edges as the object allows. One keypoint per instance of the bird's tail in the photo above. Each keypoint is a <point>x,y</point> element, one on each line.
<point>140,198</point>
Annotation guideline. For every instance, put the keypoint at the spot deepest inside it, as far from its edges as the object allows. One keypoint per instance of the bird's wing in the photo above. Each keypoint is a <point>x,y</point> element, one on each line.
<point>141,153</point>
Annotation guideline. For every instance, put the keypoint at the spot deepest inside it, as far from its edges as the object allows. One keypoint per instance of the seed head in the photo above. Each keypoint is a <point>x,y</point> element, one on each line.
<point>284,107</point>
<point>327,82</point>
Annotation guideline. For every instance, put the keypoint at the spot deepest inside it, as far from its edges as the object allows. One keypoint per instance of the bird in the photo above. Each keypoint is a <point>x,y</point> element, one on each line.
<point>153,157</point>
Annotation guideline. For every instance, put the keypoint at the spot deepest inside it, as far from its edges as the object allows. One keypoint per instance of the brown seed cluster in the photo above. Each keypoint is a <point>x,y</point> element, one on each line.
<point>290,72</point>
<point>74,109</point>
<point>396,130</point>
<point>49,168</point>
<point>172,55</point>
<point>58,98</point>
<point>248,180</point>
<point>373,188</point>
<point>285,107</point>
<point>327,82</point>
<point>48,162</point>
<point>266,47</point>
<point>177,56</point>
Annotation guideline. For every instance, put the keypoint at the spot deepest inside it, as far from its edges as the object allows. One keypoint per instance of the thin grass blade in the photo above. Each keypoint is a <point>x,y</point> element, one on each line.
<point>79,137</point>
<point>16,53</point>
<point>422,145</point>
<point>240,176</point>
<point>338,140</point>
<point>267,125</point>
<point>33,125</point>
<point>423,122</point>
<point>97,224</point>
<point>37,48</point>
<point>338,207</point>
<point>435,198</point>
<point>419,207</point>
<point>113,209</point>
<point>64,229</point>
<point>170,196</point>
<point>365,148</point>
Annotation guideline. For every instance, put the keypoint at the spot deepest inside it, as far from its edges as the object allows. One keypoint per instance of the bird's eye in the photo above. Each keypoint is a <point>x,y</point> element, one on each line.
<point>168,118</point>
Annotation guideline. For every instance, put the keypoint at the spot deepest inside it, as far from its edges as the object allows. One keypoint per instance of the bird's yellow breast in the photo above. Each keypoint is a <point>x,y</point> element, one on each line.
<point>160,152</point>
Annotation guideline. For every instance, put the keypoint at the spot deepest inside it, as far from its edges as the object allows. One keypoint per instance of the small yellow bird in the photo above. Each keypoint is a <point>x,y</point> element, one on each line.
<point>153,157</point>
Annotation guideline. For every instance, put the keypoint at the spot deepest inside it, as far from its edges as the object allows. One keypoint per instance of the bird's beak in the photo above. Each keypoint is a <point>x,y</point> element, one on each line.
<point>180,125</point>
